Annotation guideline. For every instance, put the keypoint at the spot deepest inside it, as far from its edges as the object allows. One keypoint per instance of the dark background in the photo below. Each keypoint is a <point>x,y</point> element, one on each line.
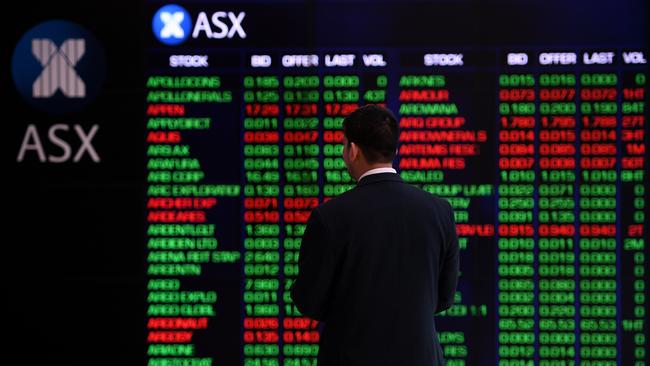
<point>73,284</point>
<point>73,253</point>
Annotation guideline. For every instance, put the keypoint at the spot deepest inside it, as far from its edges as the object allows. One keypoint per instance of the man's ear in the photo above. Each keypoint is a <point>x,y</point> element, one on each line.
<point>354,151</point>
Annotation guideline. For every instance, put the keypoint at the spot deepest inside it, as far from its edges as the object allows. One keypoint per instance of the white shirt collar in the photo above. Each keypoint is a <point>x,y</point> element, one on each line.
<point>377,171</point>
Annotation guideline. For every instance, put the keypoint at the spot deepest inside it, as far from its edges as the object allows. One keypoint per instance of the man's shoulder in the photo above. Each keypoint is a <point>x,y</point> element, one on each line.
<point>403,192</point>
<point>339,202</point>
<point>420,195</point>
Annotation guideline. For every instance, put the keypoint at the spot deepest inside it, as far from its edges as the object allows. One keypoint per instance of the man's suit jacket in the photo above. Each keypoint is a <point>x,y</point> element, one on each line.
<point>375,264</point>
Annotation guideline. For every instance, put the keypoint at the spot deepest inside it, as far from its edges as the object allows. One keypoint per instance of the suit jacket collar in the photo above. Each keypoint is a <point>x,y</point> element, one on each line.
<point>380,177</point>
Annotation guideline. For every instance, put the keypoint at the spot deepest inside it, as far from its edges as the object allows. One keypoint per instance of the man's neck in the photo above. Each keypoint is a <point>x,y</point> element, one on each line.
<point>369,169</point>
<point>377,166</point>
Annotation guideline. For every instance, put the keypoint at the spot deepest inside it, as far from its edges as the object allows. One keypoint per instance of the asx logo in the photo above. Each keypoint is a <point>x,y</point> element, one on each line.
<point>58,66</point>
<point>172,25</point>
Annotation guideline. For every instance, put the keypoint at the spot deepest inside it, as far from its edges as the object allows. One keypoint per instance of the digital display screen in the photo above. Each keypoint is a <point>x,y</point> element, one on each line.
<point>541,151</point>
<point>162,224</point>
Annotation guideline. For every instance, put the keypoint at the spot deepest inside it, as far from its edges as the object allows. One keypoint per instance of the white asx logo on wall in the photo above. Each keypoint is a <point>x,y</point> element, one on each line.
<point>58,67</point>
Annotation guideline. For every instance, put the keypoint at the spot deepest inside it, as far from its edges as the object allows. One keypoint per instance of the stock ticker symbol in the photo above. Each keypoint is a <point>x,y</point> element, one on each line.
<point>171,24</point>
<point>58,66</point>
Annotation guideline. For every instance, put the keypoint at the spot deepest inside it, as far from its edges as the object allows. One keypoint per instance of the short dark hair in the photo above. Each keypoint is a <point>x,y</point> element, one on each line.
<point>374,129</point>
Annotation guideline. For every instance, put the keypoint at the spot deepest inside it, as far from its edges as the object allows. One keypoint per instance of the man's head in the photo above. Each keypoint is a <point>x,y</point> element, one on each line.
<point>370,140</point>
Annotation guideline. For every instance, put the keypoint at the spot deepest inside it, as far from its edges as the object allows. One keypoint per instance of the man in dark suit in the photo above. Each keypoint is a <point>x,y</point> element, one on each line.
<point>378,261</point>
